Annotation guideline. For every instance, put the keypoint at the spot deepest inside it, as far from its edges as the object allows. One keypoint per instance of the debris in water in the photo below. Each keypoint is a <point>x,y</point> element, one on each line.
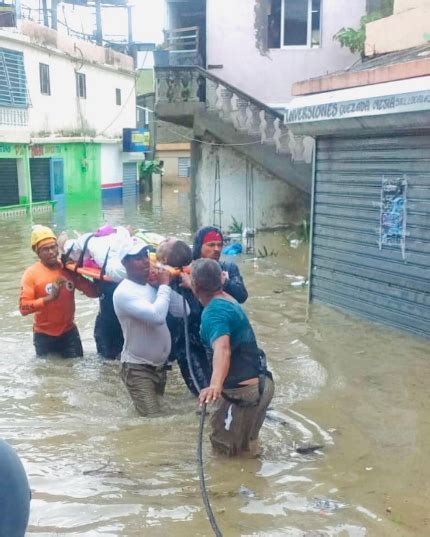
<point>305,450</point>
<point>245,491</point>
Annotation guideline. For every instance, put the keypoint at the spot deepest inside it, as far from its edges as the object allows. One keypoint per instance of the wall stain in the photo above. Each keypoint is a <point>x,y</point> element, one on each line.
<point>261,12</point>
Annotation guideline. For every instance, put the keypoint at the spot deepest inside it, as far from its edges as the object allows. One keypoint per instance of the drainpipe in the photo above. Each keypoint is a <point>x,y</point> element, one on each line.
<point>311,222</point>
<point>196,153</point>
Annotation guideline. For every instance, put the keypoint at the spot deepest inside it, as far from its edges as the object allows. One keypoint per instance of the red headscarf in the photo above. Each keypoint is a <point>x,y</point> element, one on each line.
<point>212,236</point>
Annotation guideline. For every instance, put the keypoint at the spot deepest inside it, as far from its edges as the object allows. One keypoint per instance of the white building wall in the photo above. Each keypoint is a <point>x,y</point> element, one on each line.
<point>111,164</point>
<point>232,35</point>
<point>275,202</point>
<point>62,113</point>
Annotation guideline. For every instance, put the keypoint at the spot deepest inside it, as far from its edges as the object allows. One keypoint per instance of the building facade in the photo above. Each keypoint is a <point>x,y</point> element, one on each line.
<point>248,54</point>
<point>370,245</point>
<point>63,106</point>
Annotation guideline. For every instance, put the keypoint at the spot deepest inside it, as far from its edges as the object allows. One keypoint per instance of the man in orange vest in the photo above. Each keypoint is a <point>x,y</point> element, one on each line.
<point>48,291</point>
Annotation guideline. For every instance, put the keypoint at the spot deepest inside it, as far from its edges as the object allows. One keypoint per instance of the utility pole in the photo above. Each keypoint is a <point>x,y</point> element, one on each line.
<point>54,18</point>
<point>99,30</point>
<point>131,50</point>
<point>45,13</point>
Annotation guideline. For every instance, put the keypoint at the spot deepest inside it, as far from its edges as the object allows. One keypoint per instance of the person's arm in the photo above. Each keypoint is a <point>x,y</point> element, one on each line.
<point>90,289</point>
<point>152,313</point>
<point>28,303</point>
<point>176,307</point>
<point>234,285</point>
<point>221,366</point>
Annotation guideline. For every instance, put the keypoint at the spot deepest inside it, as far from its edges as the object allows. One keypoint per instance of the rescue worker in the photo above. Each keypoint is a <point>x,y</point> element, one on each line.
<point>142,310</point>
<point>15,493</point>
<point>208,244</point>
<point>48,292</point>
<point>240,381</point>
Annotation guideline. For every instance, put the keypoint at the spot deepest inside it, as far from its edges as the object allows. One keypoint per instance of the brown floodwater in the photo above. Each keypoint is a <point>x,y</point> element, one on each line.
<point>96,469</point>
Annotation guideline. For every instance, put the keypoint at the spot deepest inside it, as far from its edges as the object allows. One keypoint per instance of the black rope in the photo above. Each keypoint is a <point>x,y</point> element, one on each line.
<point>200,464</point>
<point>203,490</point>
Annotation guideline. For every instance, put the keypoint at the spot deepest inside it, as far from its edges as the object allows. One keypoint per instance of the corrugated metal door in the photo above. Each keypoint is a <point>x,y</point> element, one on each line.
<point>9,190</point>
<point>129,180</point>
<point>349,268</point>
<point>40,179</point>
<point>184,166</point>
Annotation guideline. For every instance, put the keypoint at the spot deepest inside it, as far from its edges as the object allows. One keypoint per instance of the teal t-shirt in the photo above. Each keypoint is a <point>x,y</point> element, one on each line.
<point>224,318</point>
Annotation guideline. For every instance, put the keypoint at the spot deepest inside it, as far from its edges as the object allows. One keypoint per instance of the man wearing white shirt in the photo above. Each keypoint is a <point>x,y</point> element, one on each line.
<point>142,310</point>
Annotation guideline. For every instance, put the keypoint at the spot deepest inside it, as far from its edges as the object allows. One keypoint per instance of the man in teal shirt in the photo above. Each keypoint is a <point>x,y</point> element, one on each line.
<point>240,381</point>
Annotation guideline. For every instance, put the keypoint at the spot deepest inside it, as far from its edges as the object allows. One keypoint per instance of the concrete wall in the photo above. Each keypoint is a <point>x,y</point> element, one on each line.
<point>237,40</point>
<point>111,165</point>
<point>169,154</point>
<point>406,28</point>
<point>62,112</point>
<point>276,204</point>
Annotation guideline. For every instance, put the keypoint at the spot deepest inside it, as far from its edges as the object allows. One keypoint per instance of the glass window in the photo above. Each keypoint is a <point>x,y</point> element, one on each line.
<point>118,96</point>
<point>45,84</point>
<point>81,85</point>
<point>13,83</point>
<point>294,23</point>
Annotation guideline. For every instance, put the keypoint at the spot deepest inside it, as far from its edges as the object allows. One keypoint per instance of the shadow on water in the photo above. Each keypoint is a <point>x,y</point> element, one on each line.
<point>96,469</point>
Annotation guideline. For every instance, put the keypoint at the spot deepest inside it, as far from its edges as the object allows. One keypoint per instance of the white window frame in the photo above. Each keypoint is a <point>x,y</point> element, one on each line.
<point>309,32</point>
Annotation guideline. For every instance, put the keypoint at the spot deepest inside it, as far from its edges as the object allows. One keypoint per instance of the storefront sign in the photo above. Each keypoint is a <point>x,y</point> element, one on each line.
<point>47,150</point>
<point>136,140</point>
<point>390,104</point>
<point>392,227</point>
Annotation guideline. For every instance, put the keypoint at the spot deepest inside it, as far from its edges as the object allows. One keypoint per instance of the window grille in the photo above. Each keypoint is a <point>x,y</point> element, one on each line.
<point>13,82</point>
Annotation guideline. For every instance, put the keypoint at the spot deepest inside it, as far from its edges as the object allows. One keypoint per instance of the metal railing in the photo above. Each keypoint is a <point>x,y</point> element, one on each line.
<point>182,39</point>
<point>13,117</point>
<point>248,115</point>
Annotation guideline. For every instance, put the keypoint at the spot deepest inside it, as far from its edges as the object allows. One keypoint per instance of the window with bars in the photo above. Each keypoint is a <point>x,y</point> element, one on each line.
<point>13,82</point>
<point>81,85</point>
<point>294,23</point>
<point>45,83</point>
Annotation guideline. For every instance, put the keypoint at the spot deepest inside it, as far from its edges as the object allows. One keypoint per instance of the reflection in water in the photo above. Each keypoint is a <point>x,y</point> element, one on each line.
<point>97,469</point>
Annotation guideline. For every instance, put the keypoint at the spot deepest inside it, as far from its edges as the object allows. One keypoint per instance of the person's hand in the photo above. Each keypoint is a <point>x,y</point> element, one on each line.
<point>163,277</point>
<point>224,277</point>
<point>185,281</point>
<point>210,394</point>
<point>55,290</point>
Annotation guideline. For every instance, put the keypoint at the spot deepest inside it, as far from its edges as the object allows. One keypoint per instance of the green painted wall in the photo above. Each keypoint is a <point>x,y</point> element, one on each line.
<point>81,168</point>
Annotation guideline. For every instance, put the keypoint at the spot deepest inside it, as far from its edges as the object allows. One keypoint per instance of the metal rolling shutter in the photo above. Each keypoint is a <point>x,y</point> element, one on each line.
<point>40,179</point>
<point>348,268</point>
<point>184,167</point>
<point>9,191</point>
<point>129,178</point>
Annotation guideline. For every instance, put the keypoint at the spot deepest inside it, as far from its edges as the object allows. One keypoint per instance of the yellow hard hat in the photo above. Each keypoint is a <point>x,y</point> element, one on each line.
<point>40,233</point>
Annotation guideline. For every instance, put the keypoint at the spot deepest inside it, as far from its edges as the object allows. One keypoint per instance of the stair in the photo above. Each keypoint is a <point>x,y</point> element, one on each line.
<point>193,97</point>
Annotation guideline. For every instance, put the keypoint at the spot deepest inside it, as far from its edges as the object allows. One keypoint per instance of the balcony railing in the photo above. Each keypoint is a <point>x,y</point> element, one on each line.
<point>182,39</point>
<point>13,117</point>
<point>195,85</point>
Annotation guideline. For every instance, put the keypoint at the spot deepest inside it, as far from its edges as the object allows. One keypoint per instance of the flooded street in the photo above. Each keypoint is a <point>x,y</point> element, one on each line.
<point>98,470</point>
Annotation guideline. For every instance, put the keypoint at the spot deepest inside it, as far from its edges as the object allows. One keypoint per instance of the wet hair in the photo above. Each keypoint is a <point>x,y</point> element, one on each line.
<point>178,254</point>
<point>206,275</point>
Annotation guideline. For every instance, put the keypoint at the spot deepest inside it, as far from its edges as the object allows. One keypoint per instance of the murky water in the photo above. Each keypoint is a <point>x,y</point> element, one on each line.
<point>96,469</point>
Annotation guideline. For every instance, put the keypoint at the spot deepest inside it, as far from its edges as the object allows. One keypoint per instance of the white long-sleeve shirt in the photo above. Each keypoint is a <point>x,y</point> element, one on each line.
<point>142,311</point>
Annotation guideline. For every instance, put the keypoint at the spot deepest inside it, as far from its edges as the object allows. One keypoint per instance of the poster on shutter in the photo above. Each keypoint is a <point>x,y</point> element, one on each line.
<point>392,229</point>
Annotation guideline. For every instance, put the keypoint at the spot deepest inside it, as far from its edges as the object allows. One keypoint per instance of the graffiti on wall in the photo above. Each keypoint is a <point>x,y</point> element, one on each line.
<point>392,226</point>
